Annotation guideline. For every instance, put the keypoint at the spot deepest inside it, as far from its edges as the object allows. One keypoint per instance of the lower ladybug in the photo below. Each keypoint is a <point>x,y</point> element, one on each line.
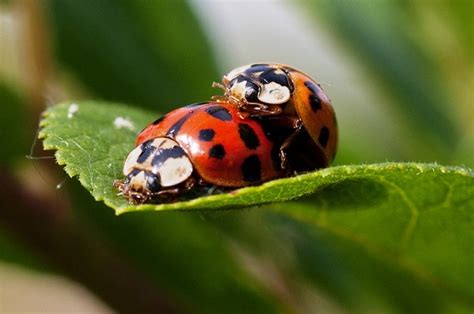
<point>287,96</point>
<point>201,144</point>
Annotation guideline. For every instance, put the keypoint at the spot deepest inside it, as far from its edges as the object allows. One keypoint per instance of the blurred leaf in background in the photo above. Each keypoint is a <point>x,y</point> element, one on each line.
<point>276,258</point>
<point>149,53</point>
<point>13,120</point>
<point>14,139</point>
<point>418,52</point>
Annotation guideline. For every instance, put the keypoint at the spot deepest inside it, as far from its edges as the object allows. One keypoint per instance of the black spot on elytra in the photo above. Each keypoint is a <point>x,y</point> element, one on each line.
<point>219,112</point>
<point>177,126</point>
<point>159,120</point>
<point>147,149</point>
<point>310,158</point>
<point>276,133</point>
<point>314,102</point>
<point>248,136</point>
<point>274,130</point>
<point>206,135</point>
<point>162,155</point>
<point>323,136</point>
<point>311,86</point>
<point>217,151</point>
<point>313,98</point>
<point>251,169</point>
<point>152,181</point>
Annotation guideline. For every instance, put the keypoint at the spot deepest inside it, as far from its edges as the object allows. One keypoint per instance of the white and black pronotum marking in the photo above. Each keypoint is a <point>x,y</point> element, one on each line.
<point>153,167</point>
<point>260,82</point>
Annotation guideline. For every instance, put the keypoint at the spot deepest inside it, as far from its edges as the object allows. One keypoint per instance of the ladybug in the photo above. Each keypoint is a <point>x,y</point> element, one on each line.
<point>201,144</point>
<point>288,97</point>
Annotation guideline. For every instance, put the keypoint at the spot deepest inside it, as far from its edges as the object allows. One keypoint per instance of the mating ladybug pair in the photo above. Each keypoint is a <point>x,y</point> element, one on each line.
<point>272,121</point>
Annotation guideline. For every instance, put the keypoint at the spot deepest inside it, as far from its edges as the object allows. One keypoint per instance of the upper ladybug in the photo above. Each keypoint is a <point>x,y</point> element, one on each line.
<point>291,98</point>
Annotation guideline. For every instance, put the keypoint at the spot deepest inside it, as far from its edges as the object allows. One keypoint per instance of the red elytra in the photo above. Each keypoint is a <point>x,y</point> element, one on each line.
<point>225,149</point>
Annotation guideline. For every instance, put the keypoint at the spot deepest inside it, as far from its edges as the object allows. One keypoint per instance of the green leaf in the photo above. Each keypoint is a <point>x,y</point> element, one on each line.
<point>392,228</point>
<point>90,145</point>
<point>381,35</point>
<point>374,271</point>
<point>391,235</point>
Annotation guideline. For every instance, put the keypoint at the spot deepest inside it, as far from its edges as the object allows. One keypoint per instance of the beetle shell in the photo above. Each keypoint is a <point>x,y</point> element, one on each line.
<point>225,149</point>
<point>295,93</point>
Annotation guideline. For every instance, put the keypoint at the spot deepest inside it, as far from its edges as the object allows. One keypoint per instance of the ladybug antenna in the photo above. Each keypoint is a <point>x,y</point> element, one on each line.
<point>218,85</point>
<point>256,108</point>
<point>32,149</point>
<point>33,158</point>
<point>219,98</point>
<point>325,84</point>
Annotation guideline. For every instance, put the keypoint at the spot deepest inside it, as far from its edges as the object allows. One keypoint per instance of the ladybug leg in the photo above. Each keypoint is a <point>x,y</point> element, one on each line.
<point>134,197</point>
<point>259,109</point>
<point>188,184</point>
<point>227,96</point>
<point>297,127</point>
<point>201,182</point>
<point>140,197</point>
<point>290,126</point>
<point>218,85</point>
<point>246,108</point>
<point>218,98</point>
<point>243,114</point>
<point>176,191</point>
<point>210,188</point>
<point>119,185</point>
<point>173,192</point>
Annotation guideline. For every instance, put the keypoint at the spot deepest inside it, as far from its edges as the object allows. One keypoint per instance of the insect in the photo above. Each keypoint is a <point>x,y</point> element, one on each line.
<point>287,97</point>
<point>200,144</point>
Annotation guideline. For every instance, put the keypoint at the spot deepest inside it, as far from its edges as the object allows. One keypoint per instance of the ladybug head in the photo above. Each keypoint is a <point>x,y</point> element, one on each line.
<point>157,164</point>
<point>259,83</point>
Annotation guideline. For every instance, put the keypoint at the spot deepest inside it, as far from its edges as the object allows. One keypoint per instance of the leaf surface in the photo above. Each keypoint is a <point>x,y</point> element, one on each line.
<point>412,222</point>
<point>93,142</point>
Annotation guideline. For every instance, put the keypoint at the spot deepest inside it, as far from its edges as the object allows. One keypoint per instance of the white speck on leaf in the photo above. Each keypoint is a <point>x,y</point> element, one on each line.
<point>121,122</point>
<point>73,108</point>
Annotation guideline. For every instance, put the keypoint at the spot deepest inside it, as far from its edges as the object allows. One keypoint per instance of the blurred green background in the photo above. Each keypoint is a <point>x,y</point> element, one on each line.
<point>400,76</point>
